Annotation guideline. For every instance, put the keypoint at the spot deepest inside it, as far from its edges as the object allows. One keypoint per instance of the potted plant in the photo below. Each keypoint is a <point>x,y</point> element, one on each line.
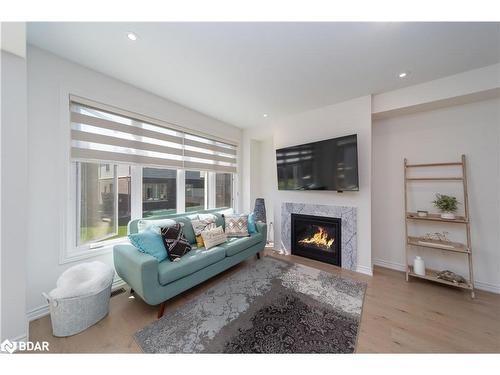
<point>447,205</point>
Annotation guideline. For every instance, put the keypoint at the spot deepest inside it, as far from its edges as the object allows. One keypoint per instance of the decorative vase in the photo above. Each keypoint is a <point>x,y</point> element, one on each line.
<point>448,215</point>
<point>419,266</point>
<point>260,210</point>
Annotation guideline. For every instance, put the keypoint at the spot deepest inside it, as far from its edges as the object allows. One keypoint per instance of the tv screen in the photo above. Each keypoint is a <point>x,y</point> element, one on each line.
<point>331,164</point>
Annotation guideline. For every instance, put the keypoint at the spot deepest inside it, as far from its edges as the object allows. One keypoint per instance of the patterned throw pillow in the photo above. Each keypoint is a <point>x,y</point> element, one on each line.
<point>175,242</point>
<point>199,225</point>
<point>213,237</point>
<point>236,225</point>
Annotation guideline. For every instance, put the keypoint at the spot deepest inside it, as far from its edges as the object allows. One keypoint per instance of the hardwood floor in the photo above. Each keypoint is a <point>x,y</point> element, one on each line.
<point>398,317</point>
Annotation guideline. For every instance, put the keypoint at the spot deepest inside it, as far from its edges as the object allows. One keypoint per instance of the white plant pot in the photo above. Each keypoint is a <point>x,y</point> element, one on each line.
<point>448,215</point>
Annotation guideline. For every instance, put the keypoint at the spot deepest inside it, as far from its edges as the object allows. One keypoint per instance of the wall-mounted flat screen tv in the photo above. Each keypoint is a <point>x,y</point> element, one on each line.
<point>331,164</point>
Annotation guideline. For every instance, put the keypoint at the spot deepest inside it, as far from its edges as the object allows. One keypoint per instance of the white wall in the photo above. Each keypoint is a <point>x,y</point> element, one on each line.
<point>353,116</point>
<point>15,222</point>
<point>50,79</point>
<point>13,38</point>
<point>439,135</point>
<point>255,171</point>
<point>251,170</point>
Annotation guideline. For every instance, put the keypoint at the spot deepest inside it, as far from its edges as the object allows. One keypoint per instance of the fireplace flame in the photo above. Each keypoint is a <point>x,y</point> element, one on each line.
<point>319,239</point>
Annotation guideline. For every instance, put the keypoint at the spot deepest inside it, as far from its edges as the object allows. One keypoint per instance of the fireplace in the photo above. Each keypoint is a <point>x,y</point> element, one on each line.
<point>317,237</point>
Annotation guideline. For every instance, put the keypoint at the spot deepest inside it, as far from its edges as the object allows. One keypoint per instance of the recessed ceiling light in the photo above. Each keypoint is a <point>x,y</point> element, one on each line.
<point>265,115</point>
<point>403,74</point>
<point>132,36</point>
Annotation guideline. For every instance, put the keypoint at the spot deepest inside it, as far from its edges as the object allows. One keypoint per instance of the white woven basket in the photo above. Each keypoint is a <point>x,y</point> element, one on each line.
<point>70,316</point>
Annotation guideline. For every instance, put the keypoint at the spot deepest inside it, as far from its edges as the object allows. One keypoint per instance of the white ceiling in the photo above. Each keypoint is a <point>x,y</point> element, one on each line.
<point>236,72</point>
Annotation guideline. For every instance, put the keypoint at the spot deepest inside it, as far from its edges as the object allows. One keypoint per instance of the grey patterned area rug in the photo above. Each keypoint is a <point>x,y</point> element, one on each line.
<point>268,306</point>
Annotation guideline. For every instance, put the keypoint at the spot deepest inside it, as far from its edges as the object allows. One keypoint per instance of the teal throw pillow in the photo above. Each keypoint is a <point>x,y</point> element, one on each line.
<point>149,242</point>
<point>252,228</point>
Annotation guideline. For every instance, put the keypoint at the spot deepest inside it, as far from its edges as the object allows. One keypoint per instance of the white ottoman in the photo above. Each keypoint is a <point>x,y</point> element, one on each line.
<point>81,298</point>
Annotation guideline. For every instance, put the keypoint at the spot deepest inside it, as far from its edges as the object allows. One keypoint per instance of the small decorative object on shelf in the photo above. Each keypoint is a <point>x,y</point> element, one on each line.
<point>260,210</point>
<point>419,266</point>
<point>437,236</point>
<point>451,276</point>
<point>447,205</point>
<point>422,213</point>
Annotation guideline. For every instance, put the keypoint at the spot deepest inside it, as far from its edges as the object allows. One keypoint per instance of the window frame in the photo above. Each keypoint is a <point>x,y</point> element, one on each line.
<point>96,248</point>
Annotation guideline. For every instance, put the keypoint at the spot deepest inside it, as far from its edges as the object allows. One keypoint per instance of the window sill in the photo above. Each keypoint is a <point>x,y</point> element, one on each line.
<point>77,254</point>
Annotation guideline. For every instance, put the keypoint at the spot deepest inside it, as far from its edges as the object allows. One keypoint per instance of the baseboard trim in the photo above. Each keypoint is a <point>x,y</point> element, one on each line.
<point>487,287</point>
<point>365,270</point>
<point>43,310</point>
<point>390,265</point>
<point>38,312</point>
<point>117,283</point>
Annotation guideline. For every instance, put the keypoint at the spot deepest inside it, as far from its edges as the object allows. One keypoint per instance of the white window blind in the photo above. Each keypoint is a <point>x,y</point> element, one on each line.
<point>101,135</point>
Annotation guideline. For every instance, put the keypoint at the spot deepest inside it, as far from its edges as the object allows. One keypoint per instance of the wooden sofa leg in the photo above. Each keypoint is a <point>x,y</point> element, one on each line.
<point>162,309</point>
<point>258,255</point>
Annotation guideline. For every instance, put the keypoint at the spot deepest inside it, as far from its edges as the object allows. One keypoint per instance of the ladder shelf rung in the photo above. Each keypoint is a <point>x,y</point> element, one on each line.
<point>434,179</point>
<point>433,165</point>
<point>438,245</point>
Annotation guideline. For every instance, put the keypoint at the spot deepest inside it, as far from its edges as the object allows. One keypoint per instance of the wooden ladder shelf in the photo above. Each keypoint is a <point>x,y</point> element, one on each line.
<point>456,247</point>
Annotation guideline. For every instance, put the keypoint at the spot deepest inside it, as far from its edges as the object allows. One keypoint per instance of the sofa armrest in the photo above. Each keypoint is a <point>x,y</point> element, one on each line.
<point>137,269</point>
<point>262,228</point>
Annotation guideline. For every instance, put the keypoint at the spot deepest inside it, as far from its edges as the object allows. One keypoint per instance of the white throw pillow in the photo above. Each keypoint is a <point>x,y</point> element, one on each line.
<point>155,224</point>
<point>211,217</point>
<point>213,237</point>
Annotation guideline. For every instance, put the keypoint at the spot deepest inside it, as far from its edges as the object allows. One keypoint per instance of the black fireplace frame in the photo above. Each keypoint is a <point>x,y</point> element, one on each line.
<point>319,255</point>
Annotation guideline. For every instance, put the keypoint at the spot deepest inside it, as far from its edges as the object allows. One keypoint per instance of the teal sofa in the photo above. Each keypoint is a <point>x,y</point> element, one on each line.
<point>156,282</point>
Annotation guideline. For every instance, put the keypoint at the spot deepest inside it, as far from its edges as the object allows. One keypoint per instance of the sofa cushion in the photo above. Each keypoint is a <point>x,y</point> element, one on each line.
<point>193,261</point>
<point>188,227</point>
<point>235,245</point>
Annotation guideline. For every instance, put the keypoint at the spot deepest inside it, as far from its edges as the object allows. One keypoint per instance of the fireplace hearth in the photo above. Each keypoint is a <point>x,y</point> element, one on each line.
<point>316,237</point>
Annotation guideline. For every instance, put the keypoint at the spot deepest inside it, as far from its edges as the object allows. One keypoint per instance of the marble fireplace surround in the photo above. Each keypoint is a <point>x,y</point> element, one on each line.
<point>348,215</point>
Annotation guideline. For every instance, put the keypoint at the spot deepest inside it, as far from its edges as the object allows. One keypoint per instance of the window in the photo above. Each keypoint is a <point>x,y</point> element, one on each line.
<point>159,191</point>
<point>223,190</point>
<point>103,207</point>
<point>126,166</point>
<point>195,188</point>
